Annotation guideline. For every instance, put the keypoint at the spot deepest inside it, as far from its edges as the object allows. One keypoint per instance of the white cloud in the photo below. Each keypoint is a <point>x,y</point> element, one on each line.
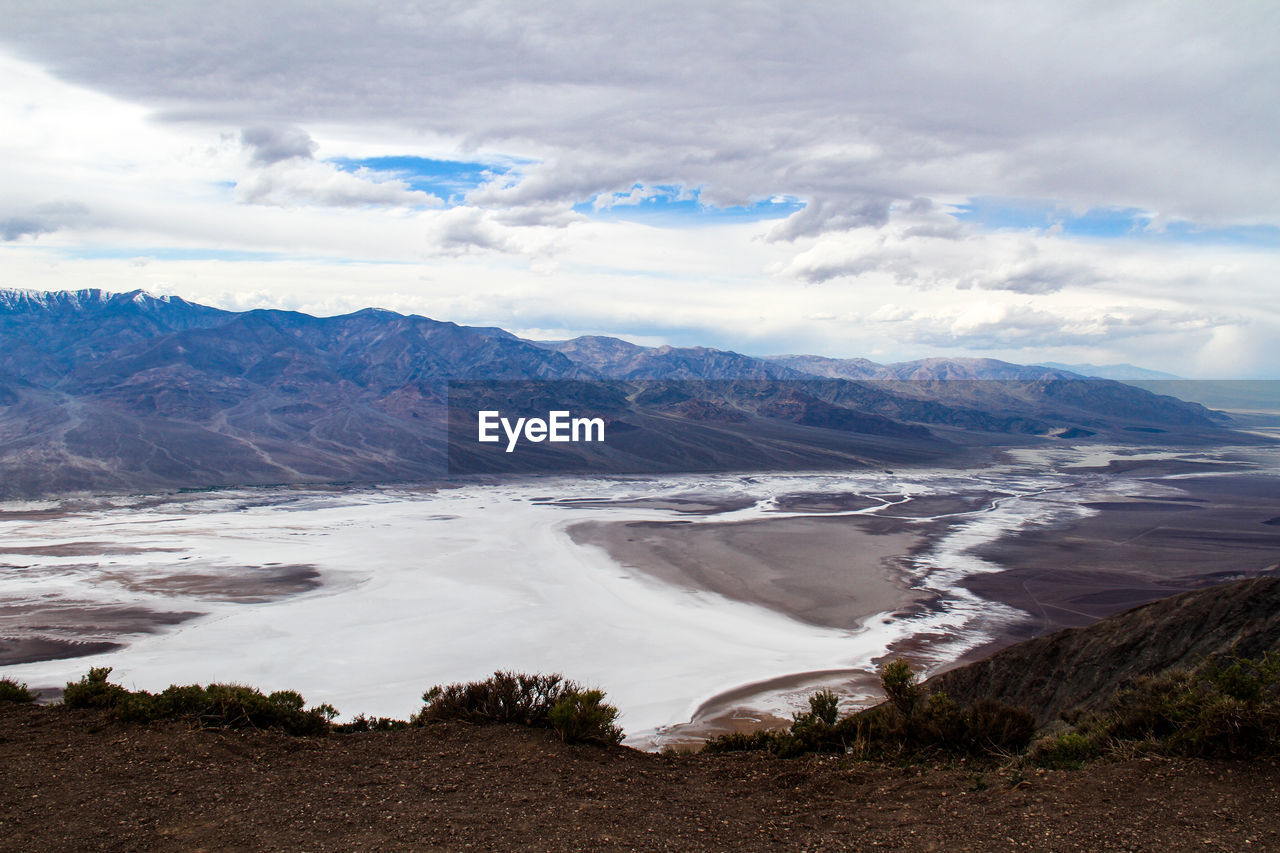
<point>852,105</point>
<point>294,181</point>
<point>214,127</point>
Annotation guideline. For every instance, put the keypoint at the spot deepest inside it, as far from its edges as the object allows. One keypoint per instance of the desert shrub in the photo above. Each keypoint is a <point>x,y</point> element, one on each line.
<point>743,742</point>
<point>1223,708</point>
<point>361,723</point>
<point>938,720</point>
<point>998,726</point>
<point>506,697</point>
<point>1066,750</point>
<point>910,725</point>
<point>226,706</point>
<point>585,718</point>
<point>231,706</point>
<point>93,690</point>
<point>901,685</point>
<point>824,707</point>
<point>12,691</point>
<point>526,700</point>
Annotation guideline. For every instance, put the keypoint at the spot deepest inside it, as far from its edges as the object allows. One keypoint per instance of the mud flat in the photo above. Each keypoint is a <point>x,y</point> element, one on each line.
<point>835,572</point>
<point>1186,532</point>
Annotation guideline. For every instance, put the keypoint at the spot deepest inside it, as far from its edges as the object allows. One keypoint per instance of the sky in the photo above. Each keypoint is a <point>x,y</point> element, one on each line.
<point>1068,181</point>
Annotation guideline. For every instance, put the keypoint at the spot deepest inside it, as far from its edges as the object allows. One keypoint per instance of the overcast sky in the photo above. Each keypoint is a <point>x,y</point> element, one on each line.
<point>1029,181</point>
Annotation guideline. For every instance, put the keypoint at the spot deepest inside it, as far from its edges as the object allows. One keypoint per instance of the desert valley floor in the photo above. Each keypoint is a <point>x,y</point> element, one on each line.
<point>698,602</point>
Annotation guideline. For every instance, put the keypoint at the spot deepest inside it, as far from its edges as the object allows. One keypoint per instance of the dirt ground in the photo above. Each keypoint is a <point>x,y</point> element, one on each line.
<point>74,781</point>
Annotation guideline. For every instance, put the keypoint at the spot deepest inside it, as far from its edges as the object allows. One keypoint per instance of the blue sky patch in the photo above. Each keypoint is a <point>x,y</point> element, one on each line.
<point>451,180</point>
<point>673,205</point>
<point>1105,223</point>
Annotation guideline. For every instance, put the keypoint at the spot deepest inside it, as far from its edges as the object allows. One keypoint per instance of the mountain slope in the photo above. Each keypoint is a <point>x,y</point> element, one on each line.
<point>616,359</point>
<point>1121,372</point>
<point>1082,667</point>
<point>924,370</point>
<point>131,392</point>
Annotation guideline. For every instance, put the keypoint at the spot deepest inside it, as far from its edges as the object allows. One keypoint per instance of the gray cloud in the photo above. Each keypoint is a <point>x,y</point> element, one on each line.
<point>462,230</point>
<point>1036,278</point>
<point>552,215</point>
<point>894,262</point>
<point>851,105</point>
<point>1022,327</point>
<point>41,219</point>
<point>287,174</point>
<point>947,231</point>
<point>22,226</point>
<point>271,144</point>
<point>827,214</point>
<point>882,117</point>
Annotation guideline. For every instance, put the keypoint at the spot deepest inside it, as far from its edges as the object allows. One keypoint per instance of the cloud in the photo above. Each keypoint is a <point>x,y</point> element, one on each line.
<point>240,129</point>
<point>272,144</point>
<point>41,219</point>
<point>292,182</point>
<point>1035,278</point>
<point>851,108</point>
<point>463,230</point>
<point>553,215</point>
<point>1005,326</point>
<point>19,226</point>
<point>284,173</point>
<point>826,214</point>
<point>960,258</point>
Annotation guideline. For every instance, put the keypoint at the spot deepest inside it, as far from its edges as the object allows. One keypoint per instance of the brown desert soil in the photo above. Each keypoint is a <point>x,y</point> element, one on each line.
<point>828,571</point>
<point>74,781</point>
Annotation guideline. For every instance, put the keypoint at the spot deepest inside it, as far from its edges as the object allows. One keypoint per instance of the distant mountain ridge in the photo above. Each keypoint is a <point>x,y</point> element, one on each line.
<point>1120,372</point>
<point>926,369</point>
<point>107,391</point>
<point>616,359</point>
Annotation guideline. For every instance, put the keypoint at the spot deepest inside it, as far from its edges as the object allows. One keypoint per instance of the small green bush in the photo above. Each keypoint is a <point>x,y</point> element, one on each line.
<point>93,690</point>
<point>12,691</point>
<point>909,725</point>
<point>507,697</point>
<point>1223,708</point>
<point>231,706</point>
<point>998,726</point>
<point>361,723</point>
<point>1069,750</point>
<point>744,742</point>
<point>526,700</point>
<point>901,685</point>
<point>582,717</point>
<point>824,707</point>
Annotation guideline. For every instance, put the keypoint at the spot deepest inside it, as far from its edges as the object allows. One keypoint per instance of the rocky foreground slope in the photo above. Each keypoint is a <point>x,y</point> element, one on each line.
<point>1082,667</point>
<point>69,781</point>
<point>76,779</point>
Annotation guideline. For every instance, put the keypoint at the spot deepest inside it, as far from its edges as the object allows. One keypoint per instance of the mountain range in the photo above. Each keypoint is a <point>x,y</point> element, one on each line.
<point>128,391</point>
<point>1123,372</point>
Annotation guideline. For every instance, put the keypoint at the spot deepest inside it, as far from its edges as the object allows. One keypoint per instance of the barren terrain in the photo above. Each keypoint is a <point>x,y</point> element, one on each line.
<point>71,781</point>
